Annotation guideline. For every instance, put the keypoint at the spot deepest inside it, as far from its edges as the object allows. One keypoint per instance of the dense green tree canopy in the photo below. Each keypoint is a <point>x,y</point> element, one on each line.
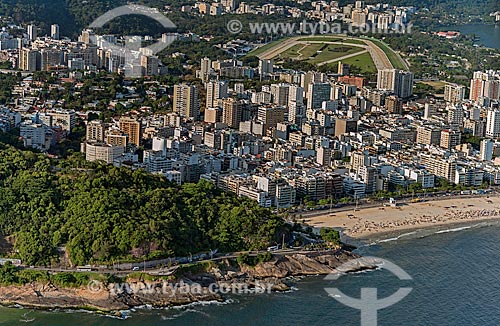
<point>99,213</point>
<point>74,15</point>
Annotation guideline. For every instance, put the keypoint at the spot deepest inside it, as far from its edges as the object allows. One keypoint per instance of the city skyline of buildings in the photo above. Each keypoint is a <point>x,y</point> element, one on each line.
<point>298,134</point>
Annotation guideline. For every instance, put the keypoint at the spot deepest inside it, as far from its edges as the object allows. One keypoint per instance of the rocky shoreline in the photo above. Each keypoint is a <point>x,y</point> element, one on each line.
<point>200,287</point>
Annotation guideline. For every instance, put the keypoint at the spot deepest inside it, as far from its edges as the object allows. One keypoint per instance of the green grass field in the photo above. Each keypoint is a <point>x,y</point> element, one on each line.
<point>291,52</point>
<point>438,86</point>
<point>317,53</point>
<point>301,50</point>
<point>363,62</point>
<point>310,49</point>
<point>334,51</point>
<point>393,57</point>
<point>354,42</point>
<point>309,52</point>
<point>264,48</point>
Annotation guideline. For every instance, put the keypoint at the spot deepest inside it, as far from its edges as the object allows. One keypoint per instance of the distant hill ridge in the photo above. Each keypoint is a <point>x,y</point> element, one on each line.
<point>71,15</point>
<point>74,15</point>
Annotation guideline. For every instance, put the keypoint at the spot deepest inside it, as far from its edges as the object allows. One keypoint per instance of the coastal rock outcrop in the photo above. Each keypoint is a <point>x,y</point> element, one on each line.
<point>183,290</point>
<point>300,265</point>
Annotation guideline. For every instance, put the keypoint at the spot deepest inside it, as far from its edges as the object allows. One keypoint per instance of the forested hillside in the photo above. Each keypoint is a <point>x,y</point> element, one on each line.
<point>99,213</point>
<point>71,15</point>
<point>455,7</point>
<point>74,15</point>
<point>43,12</point>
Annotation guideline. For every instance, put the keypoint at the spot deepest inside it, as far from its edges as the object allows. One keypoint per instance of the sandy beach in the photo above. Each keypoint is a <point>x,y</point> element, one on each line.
<point>366,222</point>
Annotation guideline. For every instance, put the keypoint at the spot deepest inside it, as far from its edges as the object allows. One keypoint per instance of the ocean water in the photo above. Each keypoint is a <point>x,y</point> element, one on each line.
<point>455,280</point>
